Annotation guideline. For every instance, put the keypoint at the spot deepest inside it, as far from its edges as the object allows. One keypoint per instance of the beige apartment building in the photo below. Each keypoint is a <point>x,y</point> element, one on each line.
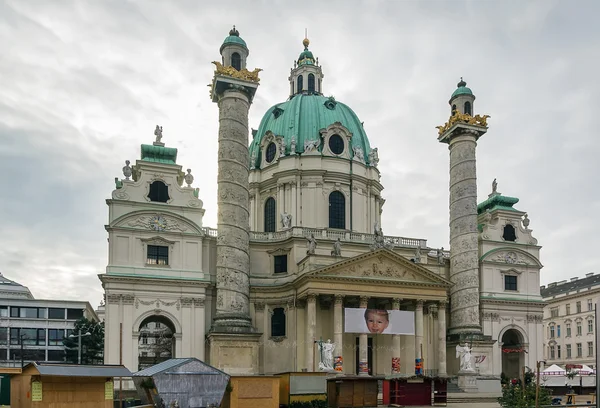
<point>569,336</point>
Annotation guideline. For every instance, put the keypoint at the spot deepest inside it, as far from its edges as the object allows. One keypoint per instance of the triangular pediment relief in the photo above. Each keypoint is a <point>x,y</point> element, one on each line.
<point>156,221</point>
<point>381,264</point>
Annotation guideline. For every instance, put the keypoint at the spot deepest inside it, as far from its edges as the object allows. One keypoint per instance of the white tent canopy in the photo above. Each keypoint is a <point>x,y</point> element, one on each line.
<point>554,370</point>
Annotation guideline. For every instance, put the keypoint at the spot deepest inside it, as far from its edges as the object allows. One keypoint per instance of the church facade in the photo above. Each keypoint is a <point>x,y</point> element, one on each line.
<point>300,238</point>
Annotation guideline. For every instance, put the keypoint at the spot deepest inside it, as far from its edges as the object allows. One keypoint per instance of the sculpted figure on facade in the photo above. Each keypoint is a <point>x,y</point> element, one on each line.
<point>526,222</point>
<point>311,244</point>
<point>311,145</point>
<point>417,258</point>
<point>127,171</point>
<point>326,363</point>
<point>464,354</point>
<point>293,146</point>
<point>494,186</point>
<point>158,134</point>
<point>286,220</point>
<point>440,256</point>
<point>337,248</point>
<point>374,157</point>
<point>358,153</point>
<point>253,160</point>
<point>189,179</point>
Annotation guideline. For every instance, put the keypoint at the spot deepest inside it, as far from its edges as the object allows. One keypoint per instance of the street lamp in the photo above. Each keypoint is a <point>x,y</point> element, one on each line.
<point>537,381</point>
<point>79,336</point>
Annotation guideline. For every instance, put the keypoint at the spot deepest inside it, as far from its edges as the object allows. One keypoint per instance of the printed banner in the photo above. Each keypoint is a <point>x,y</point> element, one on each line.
<point>379,321</point>
<point>338,362</point>
<point>363,367</point>
<point>36,391</point>
<point>395,365</point>
<point>419,366</point>
<point>109,390</point>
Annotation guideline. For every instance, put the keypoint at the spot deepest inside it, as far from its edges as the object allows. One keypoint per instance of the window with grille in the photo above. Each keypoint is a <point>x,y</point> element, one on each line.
<point>568,351</point>
<point>590,326</point>
<point>558,331</point>
<point>578,304</point>
<point>590,349</point>
<point>557,351</point>
<point>579,328</point>
<point>157,255</point>
<point>55,337</point>
<point>590,305</point>
<point>554,312</point>
<point>579,350</point>
<point>270,215</point>
<point>3,335</point>
<point>568,329</point>
<point>568,307</point>
<point>159,192</point>
<point>510,282</point>
<point>552,352</point>
<point>300,84</point>
<point>551,331</point>
<point>278,322</point>
<point>280,263</point>
<point>337,210</point>
<point>311,83</point>
<point>236,61</point>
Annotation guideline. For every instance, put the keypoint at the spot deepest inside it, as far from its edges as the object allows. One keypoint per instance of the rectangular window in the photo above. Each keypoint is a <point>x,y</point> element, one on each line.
<point>3,354</point>
<point>56,313</point>
<point>3,311</point>
<point>590,305</point>
<point>557,351</point>
<point>551,331</point>
<point>56,355</point>
<point>568,329</point>
<point>590,349</point>
<point>157,255</point>
<point>510,282</point>
<point>14,311</point>
<point>590,326</point>
<point>55,337</point>
<point>74,314</point>
<point>579,328</point>
<point>552,352</point>
<point>28,312</point>
<point>554,312</point>
<point>568,307</point>
<point>3,335</point>
<point>568,351</point>
<point>558,331</point>
<point>578,305</point>
<point>579,351</point>
<point>280,263</point>
<point>144,340</point>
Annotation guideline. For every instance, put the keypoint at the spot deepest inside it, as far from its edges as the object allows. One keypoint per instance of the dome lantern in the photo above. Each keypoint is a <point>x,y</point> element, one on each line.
<point>306,76</point>
<point>234,50</point>
<point>462,99</point>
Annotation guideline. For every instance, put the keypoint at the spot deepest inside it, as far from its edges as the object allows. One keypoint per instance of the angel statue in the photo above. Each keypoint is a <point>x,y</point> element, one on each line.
<point>464,354</point>
<point>158,134</point>
<point>286,220</point>
<point>326,363</point>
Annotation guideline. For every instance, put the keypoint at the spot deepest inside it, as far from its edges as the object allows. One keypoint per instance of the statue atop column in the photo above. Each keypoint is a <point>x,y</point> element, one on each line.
<point>158,133</point>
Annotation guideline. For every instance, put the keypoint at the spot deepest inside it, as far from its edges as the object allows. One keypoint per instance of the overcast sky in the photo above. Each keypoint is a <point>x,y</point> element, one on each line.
<point>84,83</point>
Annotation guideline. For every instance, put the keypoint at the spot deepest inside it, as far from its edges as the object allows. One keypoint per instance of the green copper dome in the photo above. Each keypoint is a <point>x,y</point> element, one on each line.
<point>234,38</point>
<point>461,90</point>
<point>304,116</point>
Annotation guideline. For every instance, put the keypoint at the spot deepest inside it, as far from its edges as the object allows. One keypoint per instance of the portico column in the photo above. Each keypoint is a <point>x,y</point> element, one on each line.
<point>442,338</point>
<point>363,357</point>
<point>418,328</point>
<point>396,342</point>
<point>337,331</point>
<point>311,322</point>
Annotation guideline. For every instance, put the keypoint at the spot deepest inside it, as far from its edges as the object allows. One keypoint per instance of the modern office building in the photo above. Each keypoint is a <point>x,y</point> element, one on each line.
<point>569,315</point>
<point>33,329</point>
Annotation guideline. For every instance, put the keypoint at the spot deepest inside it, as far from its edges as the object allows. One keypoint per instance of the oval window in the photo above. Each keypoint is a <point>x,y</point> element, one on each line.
<point>271,150</point>
<point>336,144</point>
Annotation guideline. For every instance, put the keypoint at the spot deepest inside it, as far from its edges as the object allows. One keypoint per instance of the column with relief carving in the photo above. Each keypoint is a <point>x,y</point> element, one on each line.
<point>363,343</point>
<point>442,338</point>
<point>311,327</point>
<point>396,342</point>
<point>338,332</point>
<point>418,329</point>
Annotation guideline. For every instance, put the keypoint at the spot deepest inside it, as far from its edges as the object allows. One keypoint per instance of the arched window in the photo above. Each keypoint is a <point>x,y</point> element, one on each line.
<point>236,61</point>
<point>453,110</point>
<point>278,322</point>
<point>159,192</point>
<point>300,84</point>
<point>270,215</point>
<point>311,82</point>
<point>509,233</point>
<point>468,108</point>
<point>337,210</point>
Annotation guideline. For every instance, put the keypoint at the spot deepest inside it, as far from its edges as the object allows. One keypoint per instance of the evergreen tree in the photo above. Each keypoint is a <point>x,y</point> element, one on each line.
<point>514,396</point>
<point>92,346</point>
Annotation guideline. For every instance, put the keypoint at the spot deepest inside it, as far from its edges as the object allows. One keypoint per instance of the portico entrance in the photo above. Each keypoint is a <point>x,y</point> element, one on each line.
<point>512,353</point>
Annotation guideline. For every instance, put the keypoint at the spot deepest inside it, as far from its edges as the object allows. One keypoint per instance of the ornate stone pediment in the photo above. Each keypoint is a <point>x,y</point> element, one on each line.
<point>510,256</point>
<point>381,264</point>
<point>159,222</point>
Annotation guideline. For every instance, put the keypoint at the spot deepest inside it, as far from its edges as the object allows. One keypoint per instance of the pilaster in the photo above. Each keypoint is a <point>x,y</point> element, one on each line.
<point>363,356</point>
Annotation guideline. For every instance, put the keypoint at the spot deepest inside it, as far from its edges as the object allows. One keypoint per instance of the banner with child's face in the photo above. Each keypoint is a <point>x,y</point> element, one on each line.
<point>379,321</point>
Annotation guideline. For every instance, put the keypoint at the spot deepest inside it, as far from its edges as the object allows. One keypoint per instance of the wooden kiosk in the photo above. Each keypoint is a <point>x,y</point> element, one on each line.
<point>352,391</point>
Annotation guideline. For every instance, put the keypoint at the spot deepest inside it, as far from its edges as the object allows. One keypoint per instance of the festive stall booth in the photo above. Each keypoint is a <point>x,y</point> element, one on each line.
<point>415,390</point>
<point>302,387</point>
<point>352,391</point>
<point>43,385</point>
<point>188,382</point>
<point>553,376</point>
<point>252,391</point>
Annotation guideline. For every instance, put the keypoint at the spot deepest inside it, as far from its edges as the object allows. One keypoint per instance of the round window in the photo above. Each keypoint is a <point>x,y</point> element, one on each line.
<point>336,144</point>
<point>271,150</point>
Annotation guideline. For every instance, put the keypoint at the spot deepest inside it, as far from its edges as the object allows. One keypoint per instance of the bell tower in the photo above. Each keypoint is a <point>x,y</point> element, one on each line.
<point>234,51</point>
